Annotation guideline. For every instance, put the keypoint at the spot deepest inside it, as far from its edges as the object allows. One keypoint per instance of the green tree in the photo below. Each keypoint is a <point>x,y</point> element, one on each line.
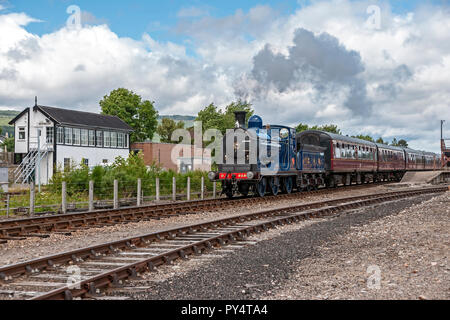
<point>167,127</point>
<point>399,143</point>
<point>394,142</point>
<point>9,143</point>
<point>229,121</point>
<point>138,114</point>
<point>381,141</point>
<point>301,127</point>
<point>364,137</point>
<point>332,128</point>
<point>403,143</point>
<point>213,118</point>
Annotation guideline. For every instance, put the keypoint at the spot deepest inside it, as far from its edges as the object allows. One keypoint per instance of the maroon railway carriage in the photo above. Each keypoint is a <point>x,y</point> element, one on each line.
<point>414,160</point>
<point>350,160</point>
<point>391,162</point>
<point>347,159</point>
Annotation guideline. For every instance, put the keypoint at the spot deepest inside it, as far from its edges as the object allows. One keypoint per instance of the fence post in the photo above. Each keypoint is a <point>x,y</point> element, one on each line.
<point>203,188</point>
<point>32,198</point>
<point>214,190</point>
<point>139,192</point>
<point>157,190</point>
<point>7,205</point>
<point>188,189</point>
<point>116,194</point>
<point>174,189</point>
<point>64,198</point>
<point>91,196</point>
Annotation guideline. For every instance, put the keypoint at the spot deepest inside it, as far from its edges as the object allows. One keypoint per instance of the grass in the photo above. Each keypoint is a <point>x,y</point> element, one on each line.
<point>51,201</point>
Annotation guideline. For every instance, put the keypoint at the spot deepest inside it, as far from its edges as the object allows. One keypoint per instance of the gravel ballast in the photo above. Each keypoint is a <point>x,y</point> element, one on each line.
<point>18,251</point>
<point>323,259</point>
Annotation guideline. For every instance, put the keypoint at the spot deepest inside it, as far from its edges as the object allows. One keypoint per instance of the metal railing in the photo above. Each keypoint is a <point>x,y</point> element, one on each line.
<point>36,153</point>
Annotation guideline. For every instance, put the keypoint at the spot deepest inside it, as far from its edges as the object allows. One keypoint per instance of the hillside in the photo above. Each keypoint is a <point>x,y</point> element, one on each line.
<point>5,117</point>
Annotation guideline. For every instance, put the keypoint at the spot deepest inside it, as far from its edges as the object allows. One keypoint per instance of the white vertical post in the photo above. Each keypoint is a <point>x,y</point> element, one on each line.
<point>214,189</point>
<point>188,188</point>
<point>158,197</point>
<point>7,205</point>
<point>203,188</point>
<point>38,159</point>
<point>139,192</point>
<point>174,189</point>
<point>32,198</point>
<point>91,196</point>
<point>64,198</point>
<point>116,194</point>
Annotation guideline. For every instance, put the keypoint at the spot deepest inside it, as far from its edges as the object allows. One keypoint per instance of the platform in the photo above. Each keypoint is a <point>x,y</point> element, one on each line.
<point>427,177</point>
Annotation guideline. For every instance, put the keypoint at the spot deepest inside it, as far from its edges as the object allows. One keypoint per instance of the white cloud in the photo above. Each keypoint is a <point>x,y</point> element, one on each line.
<point>406,66</point>
<point>76,68</point>
<point>192,12</point>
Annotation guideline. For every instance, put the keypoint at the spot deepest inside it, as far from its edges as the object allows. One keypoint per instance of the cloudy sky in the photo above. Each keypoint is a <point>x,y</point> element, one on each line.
<point>372,67</point>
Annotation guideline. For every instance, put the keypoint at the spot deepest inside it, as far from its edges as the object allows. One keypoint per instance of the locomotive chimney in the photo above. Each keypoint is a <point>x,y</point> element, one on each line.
<point>240,118</point>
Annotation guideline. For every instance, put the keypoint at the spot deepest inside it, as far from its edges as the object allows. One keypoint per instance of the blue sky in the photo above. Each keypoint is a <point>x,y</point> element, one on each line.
<point>158,18</point>
<point>135,17</point>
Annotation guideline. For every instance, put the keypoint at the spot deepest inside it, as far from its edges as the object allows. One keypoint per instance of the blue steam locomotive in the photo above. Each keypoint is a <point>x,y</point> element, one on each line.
<point>272,161</point>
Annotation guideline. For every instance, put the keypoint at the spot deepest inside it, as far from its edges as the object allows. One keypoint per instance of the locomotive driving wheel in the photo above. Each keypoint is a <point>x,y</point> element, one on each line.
<point>286,185</point>
<point>260,187</point>
<point>274,185</point>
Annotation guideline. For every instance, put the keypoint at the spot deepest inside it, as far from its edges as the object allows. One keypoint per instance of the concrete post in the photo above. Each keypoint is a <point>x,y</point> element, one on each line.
<point>203,188</point>
<point>116,194</point>
<point>64,198</point>
<point>214,189</point>
<point>158,197</point>
<point>32,198</point>
<point>91,196</point>
<point>139,192</point>
<point>188,188</point>
<point>174,189</point>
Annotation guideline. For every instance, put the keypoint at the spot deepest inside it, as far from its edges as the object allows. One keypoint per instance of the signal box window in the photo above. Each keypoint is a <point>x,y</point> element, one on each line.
<point>22,133</point>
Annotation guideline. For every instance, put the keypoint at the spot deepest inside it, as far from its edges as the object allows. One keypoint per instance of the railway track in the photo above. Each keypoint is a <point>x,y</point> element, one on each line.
<point>19,229</point>
<point>109,264</point>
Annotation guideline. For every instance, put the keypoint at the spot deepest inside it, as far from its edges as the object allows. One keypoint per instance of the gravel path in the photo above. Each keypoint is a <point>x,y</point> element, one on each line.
<point>322,259</point>
<point>409,251</point>
<point>17,251</point>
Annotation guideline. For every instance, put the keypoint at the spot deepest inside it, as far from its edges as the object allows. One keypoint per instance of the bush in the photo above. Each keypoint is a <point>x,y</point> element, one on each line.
<point>127,172</point>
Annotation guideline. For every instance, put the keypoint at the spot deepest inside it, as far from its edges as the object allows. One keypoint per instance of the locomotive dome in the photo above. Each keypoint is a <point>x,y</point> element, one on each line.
<point>255,122</point>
